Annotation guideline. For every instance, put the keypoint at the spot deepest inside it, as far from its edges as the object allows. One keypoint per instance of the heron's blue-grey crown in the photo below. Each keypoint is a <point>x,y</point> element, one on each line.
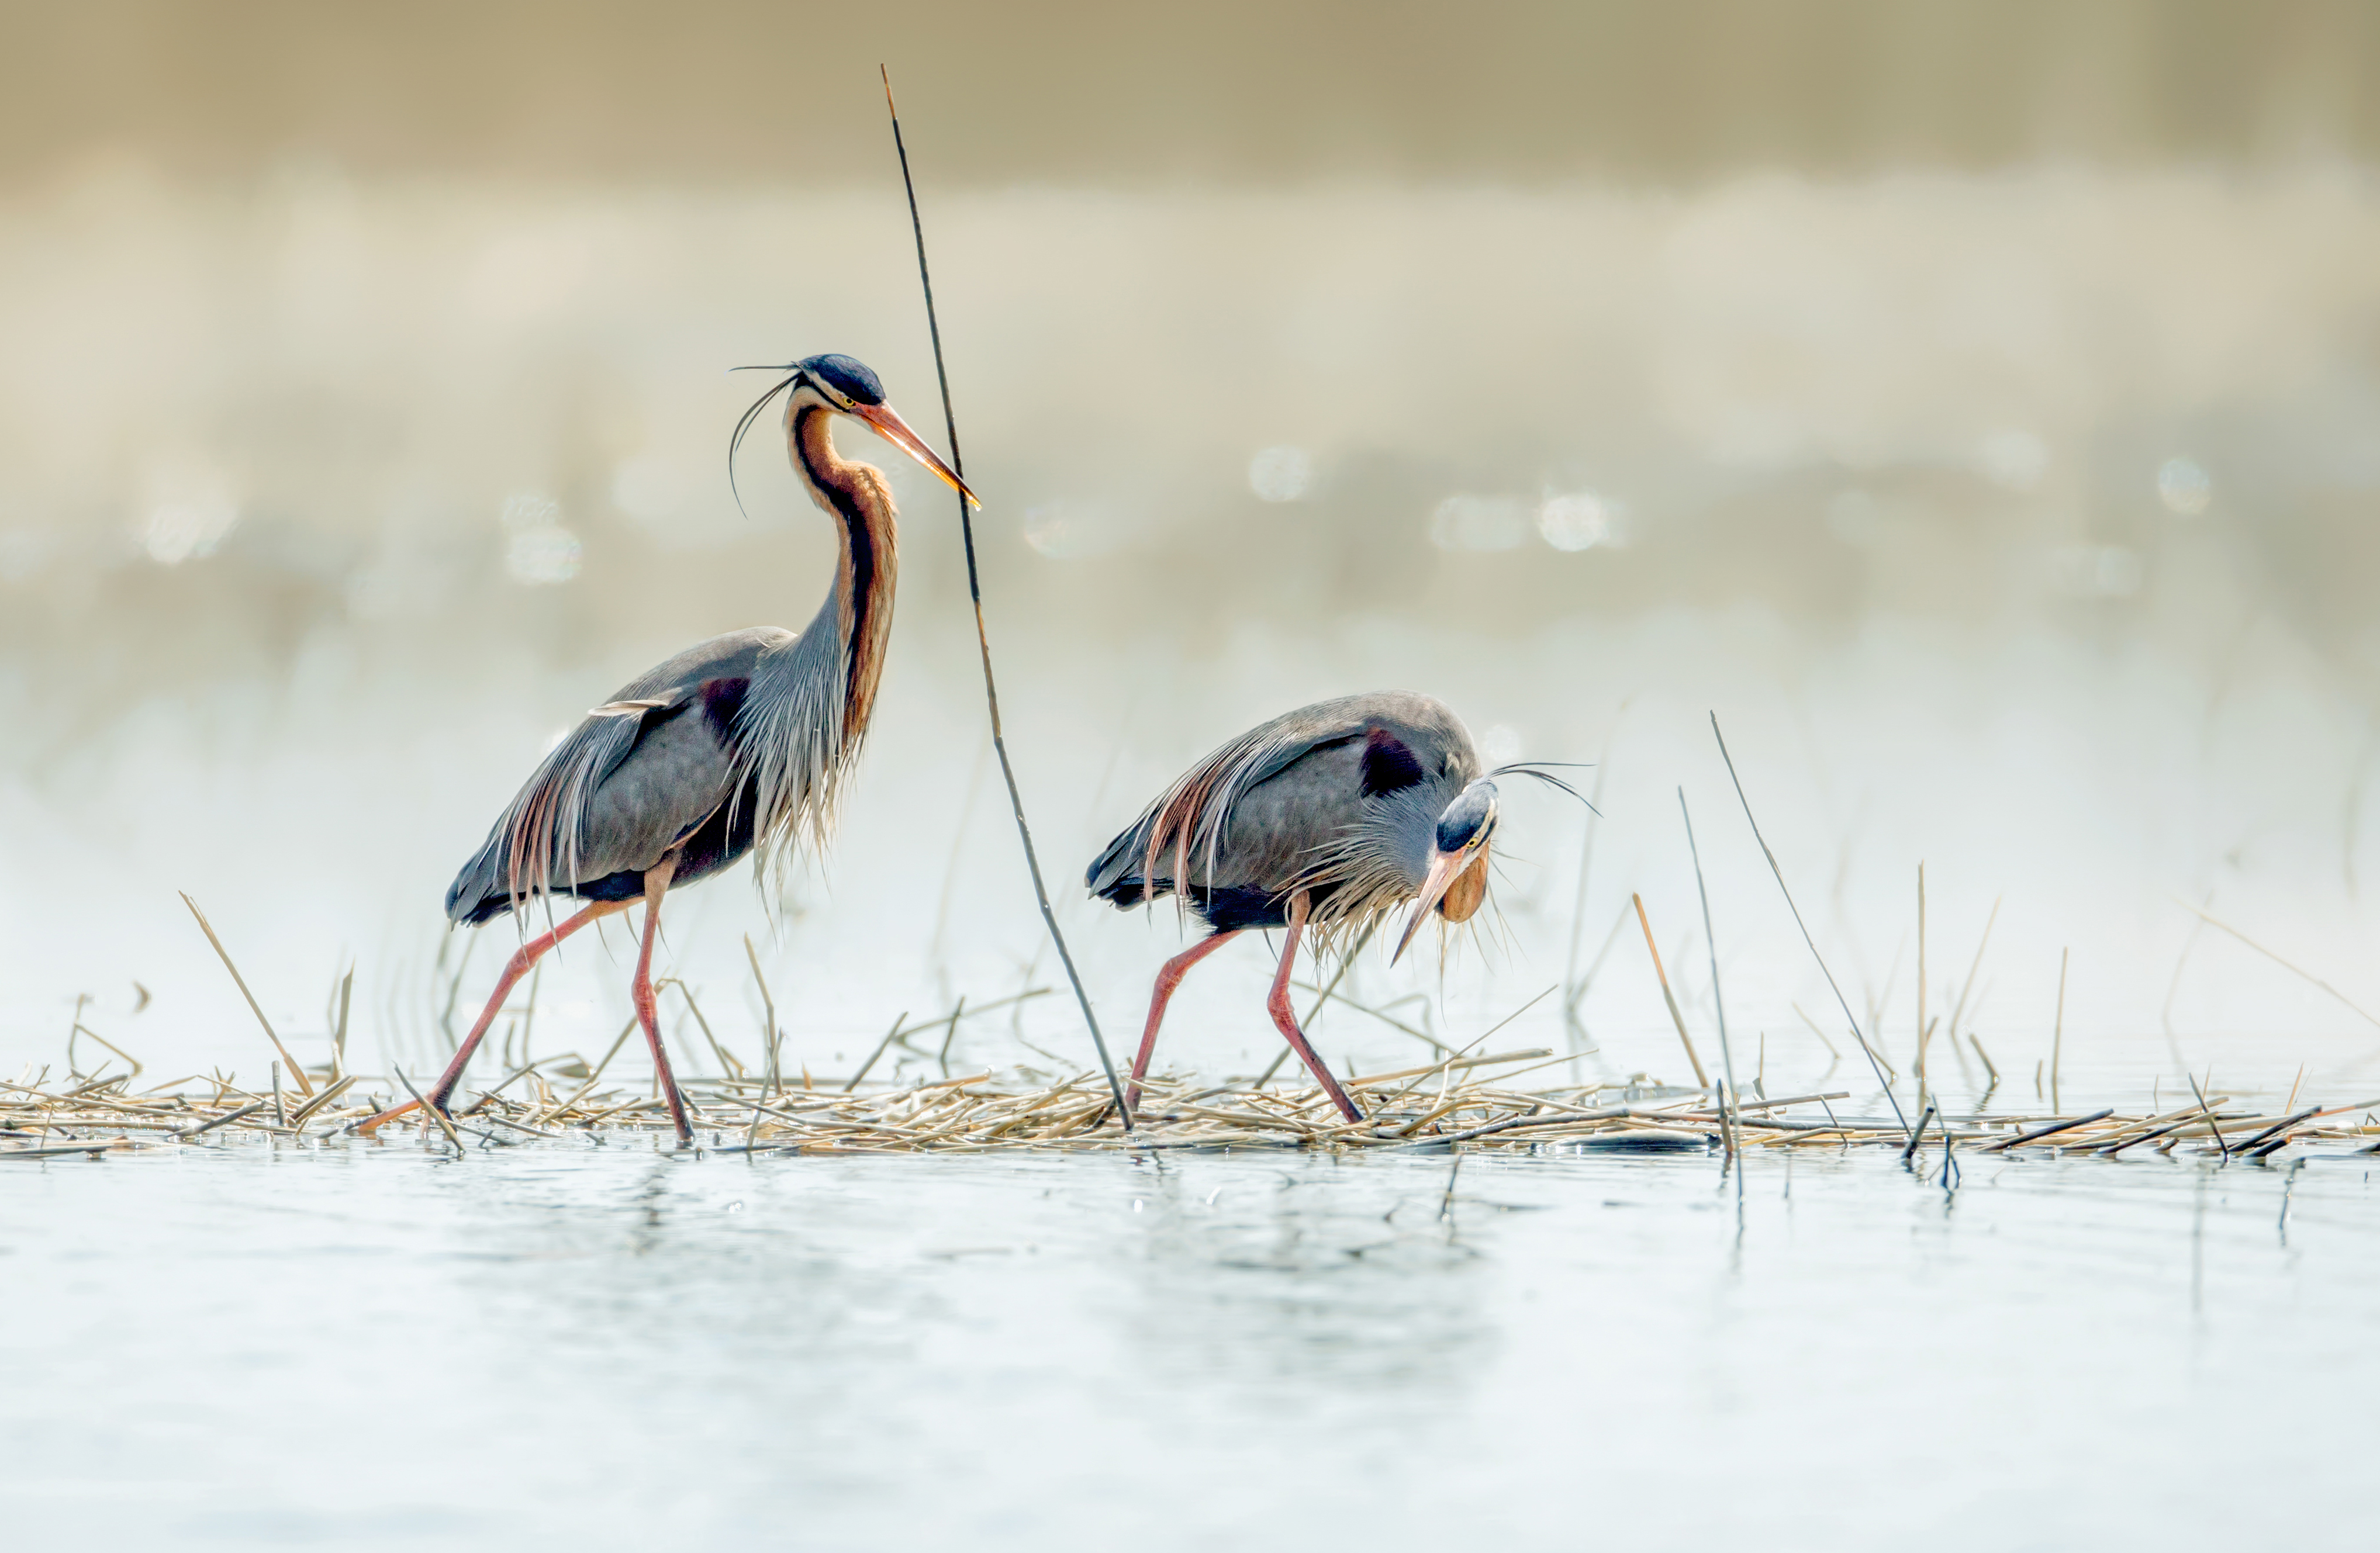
<point>850,378</point>
<point>1469,817</point>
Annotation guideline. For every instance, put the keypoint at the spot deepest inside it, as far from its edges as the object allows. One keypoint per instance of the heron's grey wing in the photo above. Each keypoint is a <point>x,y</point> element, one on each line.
<point>1178,834</point>
<point>635,775</point>
<point>1260,809</point>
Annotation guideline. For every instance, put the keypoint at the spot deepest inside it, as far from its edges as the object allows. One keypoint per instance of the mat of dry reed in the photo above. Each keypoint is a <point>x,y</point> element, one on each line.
<point>1471,1102</point>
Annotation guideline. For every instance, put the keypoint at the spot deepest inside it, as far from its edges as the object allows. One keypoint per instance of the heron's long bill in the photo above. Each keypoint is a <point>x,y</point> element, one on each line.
<point>893,429</point>
<point>1445,867</point>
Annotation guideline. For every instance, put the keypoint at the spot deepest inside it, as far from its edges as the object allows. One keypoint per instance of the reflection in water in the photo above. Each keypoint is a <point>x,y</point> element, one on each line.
<point>550,1344</point>
<point>1310,1277</point>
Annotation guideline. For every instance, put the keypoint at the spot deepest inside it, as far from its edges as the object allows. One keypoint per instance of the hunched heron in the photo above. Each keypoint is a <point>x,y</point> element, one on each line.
<point>1324,822</point>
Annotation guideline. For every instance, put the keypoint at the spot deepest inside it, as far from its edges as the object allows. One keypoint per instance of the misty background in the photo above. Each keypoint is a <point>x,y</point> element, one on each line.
<point>1977,406</point>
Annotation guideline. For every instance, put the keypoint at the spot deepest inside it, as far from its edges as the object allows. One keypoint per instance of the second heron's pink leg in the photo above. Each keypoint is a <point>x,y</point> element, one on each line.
<point>640,991</point>
<point>1278,1006</point>
<point>1167,980</point>
<point>523,958</point>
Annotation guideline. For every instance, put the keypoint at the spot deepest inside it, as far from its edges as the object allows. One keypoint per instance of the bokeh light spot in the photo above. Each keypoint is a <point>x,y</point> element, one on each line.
<point>1464,522</point>
<point>1579,520</point>
<point>1280,474</point>
<point>541,553</point>
<point>543,556</point>
<point>2183,486</point>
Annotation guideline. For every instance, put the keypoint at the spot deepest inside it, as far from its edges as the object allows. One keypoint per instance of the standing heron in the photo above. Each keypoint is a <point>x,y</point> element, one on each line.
<point>1324,821</point>
<point>737,745</point>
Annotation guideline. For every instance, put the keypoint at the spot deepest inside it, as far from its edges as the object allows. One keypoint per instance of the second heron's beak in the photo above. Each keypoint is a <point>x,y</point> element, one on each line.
<point>888,425</point>
<point>1445,867</point>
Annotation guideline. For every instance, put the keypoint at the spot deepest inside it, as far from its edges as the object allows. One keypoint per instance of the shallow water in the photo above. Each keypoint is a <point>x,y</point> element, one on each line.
<point>374,1346</point>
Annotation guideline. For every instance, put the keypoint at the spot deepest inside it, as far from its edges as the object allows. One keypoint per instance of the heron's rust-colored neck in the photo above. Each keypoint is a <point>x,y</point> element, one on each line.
<point>855,494</point>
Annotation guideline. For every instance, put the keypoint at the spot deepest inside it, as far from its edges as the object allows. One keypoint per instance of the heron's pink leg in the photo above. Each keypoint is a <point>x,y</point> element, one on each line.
<point>640,991</point>
<point>1167,980</point>
<point>523,958</point>
<point>1278,1006</point>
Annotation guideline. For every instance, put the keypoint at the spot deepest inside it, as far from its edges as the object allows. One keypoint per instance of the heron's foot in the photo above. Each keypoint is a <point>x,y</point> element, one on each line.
<point>391,1114</point>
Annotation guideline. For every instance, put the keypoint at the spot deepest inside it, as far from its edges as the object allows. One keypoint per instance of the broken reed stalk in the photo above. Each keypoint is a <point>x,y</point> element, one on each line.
<point>1923,1029</point>
<point>226,1120</point>
<point>2208,1111</point>
<point>528,1014</point>
<point>339,1035</point>
<point>625,1031</point>
<point>1820,1034</point>
<point>1726,1056</point>
<point>982,635</point>
<point>1668,996</point>
<point>1924,1116</point>
<point>2281,1126</point>
<point>331,1091</point>
<point>2040,1132</point>
<point>1974,969</point>
<point>2293,970</point>
<point>1576,995</point>
<point>435,1113</point>
<point>80,1028</point>
<point>728,1064</point>
<point>1832,985</point>
<point>305,1087</point>
<point>455,993</point>
<point>768,1012</point>
<point>872,1056</point>
<point>2058,1029</point>
<point>951,1034</point>
<point>1572,988</point>
<point>1454,1059</point>
<point>1330,993</point>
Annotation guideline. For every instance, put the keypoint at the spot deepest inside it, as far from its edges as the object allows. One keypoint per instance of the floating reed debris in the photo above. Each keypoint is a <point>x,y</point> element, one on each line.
<point>1473,1102</point>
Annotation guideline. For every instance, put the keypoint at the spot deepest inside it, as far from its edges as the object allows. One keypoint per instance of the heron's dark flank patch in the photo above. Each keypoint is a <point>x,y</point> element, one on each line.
<point>721,841</point>
<point>1388,764</point>
<point>1233,909</point>
<point>723,700</point>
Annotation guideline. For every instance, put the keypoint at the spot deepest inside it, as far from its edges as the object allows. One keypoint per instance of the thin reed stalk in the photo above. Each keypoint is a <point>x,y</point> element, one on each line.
<point>983,635</point>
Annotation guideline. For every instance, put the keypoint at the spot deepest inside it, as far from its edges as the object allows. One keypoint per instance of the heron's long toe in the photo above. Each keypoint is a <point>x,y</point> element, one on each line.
<point>391,1114</point>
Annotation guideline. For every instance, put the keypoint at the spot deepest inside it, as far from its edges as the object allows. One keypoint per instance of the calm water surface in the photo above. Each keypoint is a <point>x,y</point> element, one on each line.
<point>606,1346</point>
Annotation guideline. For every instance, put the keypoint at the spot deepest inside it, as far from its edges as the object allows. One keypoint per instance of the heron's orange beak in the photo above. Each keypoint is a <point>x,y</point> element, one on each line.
<point>1445,867</point>
<point>888,425</point>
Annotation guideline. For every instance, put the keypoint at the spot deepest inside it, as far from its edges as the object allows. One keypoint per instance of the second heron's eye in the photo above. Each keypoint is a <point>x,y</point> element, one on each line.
<point>1468,820</point>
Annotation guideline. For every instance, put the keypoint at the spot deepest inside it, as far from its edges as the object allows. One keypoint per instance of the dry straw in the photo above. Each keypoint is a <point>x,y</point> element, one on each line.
<point>1473,1102</point>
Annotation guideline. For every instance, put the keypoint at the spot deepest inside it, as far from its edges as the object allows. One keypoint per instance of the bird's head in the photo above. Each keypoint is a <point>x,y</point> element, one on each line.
<point>845,385</point>
<point>1456,880</point>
